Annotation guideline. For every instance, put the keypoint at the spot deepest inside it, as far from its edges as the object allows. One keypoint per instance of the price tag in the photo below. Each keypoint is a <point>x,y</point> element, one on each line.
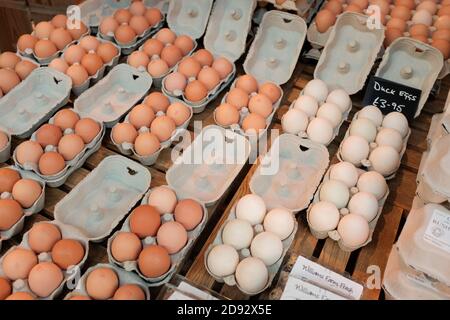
<point>391,96</point>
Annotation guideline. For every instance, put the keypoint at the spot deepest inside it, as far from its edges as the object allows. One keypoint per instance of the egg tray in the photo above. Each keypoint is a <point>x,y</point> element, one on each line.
<point>5,152</point>
<point>127,148</point>
<point>60,178</point>
<point>92,11</point>
<point>334,234</point>
<point>181,288</point>
<point>67,232</point>
<point>301,164</point>
<point>125,277</point>
<point>114,95</point>
<point>366,163</point>
<point>176,258</point>
<point>244,253</point>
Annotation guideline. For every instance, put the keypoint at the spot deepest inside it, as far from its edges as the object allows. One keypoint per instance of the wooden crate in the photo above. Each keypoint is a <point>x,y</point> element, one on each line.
<point>14,21</point>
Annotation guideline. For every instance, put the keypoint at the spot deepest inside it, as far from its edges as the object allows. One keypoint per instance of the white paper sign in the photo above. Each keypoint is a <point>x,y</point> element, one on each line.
<point>297,289</point>
<point>437,232</point>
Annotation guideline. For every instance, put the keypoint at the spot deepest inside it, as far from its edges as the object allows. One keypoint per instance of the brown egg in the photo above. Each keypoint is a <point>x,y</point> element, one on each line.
<point>29,152</point>
<point>157,68</point>
<point>444,11</point>
<point>8,177</point>
<point>226,115</point>
<point>146,144</point>
<point>43,236</point>
<point>396,23</point>
<point>124,34</point>
<point>429,5</point>
<point>89,43</point>
<point>253,122</point>
<point>175,82</point>
<point>9,60</point>
<point>189,67</point>
<point>74,54</point>
<point>157,101</point>
<point>138,59</point>
<point>419,30</point>
<point>271,91</point>
<point>45,278</point>
<point>334,6</point>
<point>189,213</point>
<point>26,41</point>
<point>124,132</point>
<point>51,163</point>
<point>141,116</point>
<point>5,288</point>
<point>443,46</point>
<point>172,236</point>
<point>78,74</point>
<point>107,51</point>
<point>195,91</point>
<point>122,16</point>
<point>184,43</point>
<point>238,98</point>
<point>44,49</point>
<point>166,36</point>
<point>401,12</point>
<point>260,104</point>
<point>43,30</point>
<point>8,80</point>
<point>391,35</point>
<point>20,296</point>
<point>79,298</point>
<point>70,146</point>
<point>153,16</point>
<point>163,199</point>
<point>18,262</point>
<point>419,37</point>
<point>171,54</point>
<point>137,8</point>
<point>223,66</point>
<point>247,83</point>
<point>209,77</point>
<point>407,3</point>
<point>67,253</point>
<point>179,113</point>
<point>139,24</point>
<point>26,192</point>
<point>77,32</point>
<point>87,129</point>
<point>360,3</point>
<point>60,37</point>
<point>129,291</point>
<point>442,22</point>
<point>66,119</point>
<point>108,26</point>
<point>92,63</point>
<point>59,21</point>
<point>10,213</point>
<point>102,283</point>
<point>350,8</point>
<point>48,134</point>
<point>442,34</point>
<point>153,47</point>
<point>4,140</point>
<point>145,221</point>
<point>204,57</point>
<point>24,68</point>
<point>126,246</point>
<point>163,127</point>
<point>154,261</point>
<point>59,64</point>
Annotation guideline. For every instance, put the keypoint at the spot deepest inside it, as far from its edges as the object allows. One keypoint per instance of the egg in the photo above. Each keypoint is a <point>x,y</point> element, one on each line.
<point>137,8</point>
<point>223,67</point>
<point>77,30</point>
<point>163,198</point>
<point>8,178</point>
<point>122,15</point>
<point>125,35</point>
<point>59,64</point>
<point>87,129</point>
<point>74,54</point>
<point>153,16</point>
<point>51,163</point>
<point>172,236</point>
<point>444,10</point>
<point>10,213</point>
<point>189,213</point>
<point>360,3</point>
<point>18,262</point>
<point>157,68</point>
<point>443,46</point>
<point>166,36</point>
<point>364,204</point>
<point>390,137</point>
<point>141,115</point>
<point>89,43</point>
<point>129,291</point>
<point>397,121</point>
<point>67,253</point>
<point>354,230</point>
<point>189,67</point>
<point>43,236</point>
<point>401,12</point>
<point>237,233</point>
<point>294,121</point>
<point>184,43</point>
<point>251,208</point>
<point>78,74</point>
<point>385,160</point>
<point>107,51</point>
<point>253,123</point>
<point>391,35</point>
<point>336,192</point>
<point>344,172</point>
<point>44,49</point>
<point>324,20</point>
<point>5,288</point>
<point>20,296</point>
<point>146,144</point>
<point>157,101</point>
<point>138,59</point>
<point>26,41</point>
<point>66,119</point>
<point>323,216</point>
<point>175,83</point>
<point>8,80</point>
<point>320,130</point>
<point>226,115</point>
<point>331,112</point>
<point>267,247</point>
<point>179,113</point>
<point>252,275</point>
<point>108,26</point>
<point>195,91</point>
<point>145,221</point>
<point>422,17</point>
<point>222,260</point>
<point>154,261</point>
<point>102,283</point>
<point>48,134</point>
<point>9,60</point>
<point>4,140</point>
<point>209,77</point>
<point>70,146</point>
<point>364,128</point>
<point>26,192</point>
<point>442,34</point>
<point>442,22</point>
<point>407,3</point>
<point>238,98</point>
<point>60,37</point>
<point>353,8</point>
<point>124,133</point>
<point>79,297</point>
<point>374,183</point>
<point>334,6</point>
<point>163,127</point>
<point>247,83</point>
<point>340,98</point>
<point>139,24</point>
<point>172,55</point>
<point>126,246</point>
<point>317,89</point>
<point>29,152</point>
<point>204,57</point>
<point>428,5</point>
<point>307,104</point>
<point>43,29</point>
<point>92,63</point>
<point>280,222</point>
<point>260,104</point>
<point>24,68</point>
<point>396,23</point>
<point>45,278</point>
<point>371,113</point>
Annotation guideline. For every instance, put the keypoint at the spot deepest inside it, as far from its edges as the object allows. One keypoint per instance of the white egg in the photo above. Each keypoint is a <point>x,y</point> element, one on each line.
<point>363,128</point>
<point>294,121</point>
<point>251,208</point>
<point>317,89</point>
<point>422,17</point>
<point>279,221</point>
<point>222,260</point>
<point>330,112</point>
<point>372,113</point>
<point>364,204</point>
<point>390,137</point>
<point>354,230</point>
<point>336,192</point>
<point>320,130</point>
<point>372,182</point>
<point>237,233</point>
<point>396,121</point>
<point>307,104</point>
<point>340,98</point>
<point>252,275</point>
<point>267,247</point>
<point>346,172</point>
<point>354,149</point>
<point>323,216</point>
<point>385,160</point>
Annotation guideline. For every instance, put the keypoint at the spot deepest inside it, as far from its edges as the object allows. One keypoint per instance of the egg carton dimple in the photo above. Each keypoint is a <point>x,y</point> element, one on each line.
<point>5,152</point>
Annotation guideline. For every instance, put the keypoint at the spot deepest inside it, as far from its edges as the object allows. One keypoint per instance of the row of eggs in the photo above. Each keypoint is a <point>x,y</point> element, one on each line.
<point>13,70</point>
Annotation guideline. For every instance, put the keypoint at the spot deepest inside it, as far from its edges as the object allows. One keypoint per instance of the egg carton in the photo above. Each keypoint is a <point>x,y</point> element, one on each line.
<point>289,174</point>
<point>125,277</point>
<point>61,177</point>
<point>127,148</point>
<point>67,232</point>
<point>92,11</point>
<point>440,124</point>
<point>181,288</point>
<point>33,101</point>
<point>77,90</point>
<point>176,258</point>
<point>199,174</point>
<point>114,95</point>
<point>5,152</point>
<point>334,234</point>
<point>244,253</point>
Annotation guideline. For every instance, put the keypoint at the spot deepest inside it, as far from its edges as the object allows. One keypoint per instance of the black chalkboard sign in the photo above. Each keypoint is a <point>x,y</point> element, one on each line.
<point>391,96</point>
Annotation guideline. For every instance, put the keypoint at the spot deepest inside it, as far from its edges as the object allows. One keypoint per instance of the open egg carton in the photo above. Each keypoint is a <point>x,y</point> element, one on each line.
<point>440,125</point>
<point>22,285</point>
<point>175,258</point>
<point>59,178</point>
<point>290,172</point>
<point>349,53</point>
<point>5,150</point>
<point>181,288</point>
<point>375,141</point>
<point>110,98</point>
<point>33,101</point>
<point>92,11</point>
<point>124,277</point>
<point>340,186</point>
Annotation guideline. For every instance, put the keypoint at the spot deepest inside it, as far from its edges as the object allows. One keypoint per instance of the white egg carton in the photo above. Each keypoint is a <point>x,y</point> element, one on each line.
<point>202,175</point>
<point>92,11</point>
<point>125,277</point>
<point>67,232</point>
<point>349,53</point>
<point>114,95</point>
<point>101,200</point>
<point>60,178</point>
<point>316,38</point>
<point>334,234</point>
<point>33,101</point>
<point>176,258</point>
<point>244,253</point>
<point>289,174</point>
<point>5,152</point>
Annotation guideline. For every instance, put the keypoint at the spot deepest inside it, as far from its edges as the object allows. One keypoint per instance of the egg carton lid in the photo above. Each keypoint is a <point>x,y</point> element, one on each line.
<point>189,17</point>
<point>275,51</point>
<point>92,11</point>
<point>316,38</point>
<point>228,28</point>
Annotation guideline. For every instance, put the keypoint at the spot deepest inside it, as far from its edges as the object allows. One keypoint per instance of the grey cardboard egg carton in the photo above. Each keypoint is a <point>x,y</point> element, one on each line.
<point>176,258</point>
<point>33,101</point>
<point>289,174</point>
<point>125,277</point>
<point>334,234</point>
<point>114,95</point>
<point>67,232</point>
<point>92,11</point>
<point>5,152</point>
<point>60,178</point>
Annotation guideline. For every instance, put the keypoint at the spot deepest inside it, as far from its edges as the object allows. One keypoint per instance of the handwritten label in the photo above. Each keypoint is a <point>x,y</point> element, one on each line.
<point>437,232</point>
<point>297,289</point>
